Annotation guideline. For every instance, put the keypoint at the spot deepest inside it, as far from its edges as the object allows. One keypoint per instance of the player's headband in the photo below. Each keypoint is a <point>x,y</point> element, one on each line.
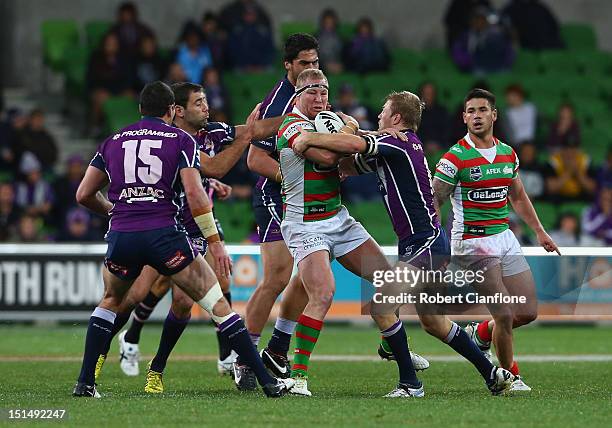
<point>310,86</point>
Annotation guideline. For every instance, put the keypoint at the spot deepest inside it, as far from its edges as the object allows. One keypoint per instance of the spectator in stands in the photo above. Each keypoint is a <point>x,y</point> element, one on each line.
<point>366,52</point>
<point>349,104</point>
<point>597,219</point>
<point>565,130</point>
<point>217,96</point>
<point>533,173</point>
<point>33,194</point>
<point>520,117</point>
<point>193,55</point>
<point>457,18</point>
<point>9,212</point>
<point>535,25</point>
<point>36,139</point>
<point>331,45</point>
<point>215,38</point>
<point>230,15</point>
<point>150,66</point>
<point>175,74</point>
<point>129,30</point>
<point>29,229</point>
<point>567,231</point>
<point>485,47</point>
<point>250,44</point>
<point>435,120</point>
<point>65,188</point>
<point>9,144</point>
<point>77,227</point>
<point>108,74</point>
<point>570,176</point>
<point>604,173</point>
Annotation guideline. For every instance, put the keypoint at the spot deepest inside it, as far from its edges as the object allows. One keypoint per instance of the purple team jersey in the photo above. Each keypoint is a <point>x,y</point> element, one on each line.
<point>142,162</point>
<point>211,139</point>
<point>404,181</point>
<point>277,103</point>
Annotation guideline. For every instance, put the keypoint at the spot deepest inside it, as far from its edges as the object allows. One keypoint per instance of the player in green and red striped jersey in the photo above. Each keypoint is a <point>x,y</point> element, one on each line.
<point>317,228</point>
<point>480,174</point>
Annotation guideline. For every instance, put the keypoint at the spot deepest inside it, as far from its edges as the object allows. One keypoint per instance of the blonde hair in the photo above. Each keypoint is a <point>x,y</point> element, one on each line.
<point>310,74</point>
<point>408,106</point>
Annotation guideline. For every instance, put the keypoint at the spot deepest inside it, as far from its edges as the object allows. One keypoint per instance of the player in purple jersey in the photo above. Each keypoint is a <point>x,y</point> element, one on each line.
<point>300,53</point>
<point>398,160</point>
<point>220,146</point>
<point>142,164</point>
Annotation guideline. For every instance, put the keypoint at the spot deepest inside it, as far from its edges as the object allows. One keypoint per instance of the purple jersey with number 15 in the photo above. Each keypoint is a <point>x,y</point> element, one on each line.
<point>143,162</point>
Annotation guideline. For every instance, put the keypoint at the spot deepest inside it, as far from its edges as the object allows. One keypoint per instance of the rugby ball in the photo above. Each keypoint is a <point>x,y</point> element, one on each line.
<point>328,122</point>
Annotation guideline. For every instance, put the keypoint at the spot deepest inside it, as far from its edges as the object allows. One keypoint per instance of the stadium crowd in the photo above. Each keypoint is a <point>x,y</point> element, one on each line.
<point>37,204</point>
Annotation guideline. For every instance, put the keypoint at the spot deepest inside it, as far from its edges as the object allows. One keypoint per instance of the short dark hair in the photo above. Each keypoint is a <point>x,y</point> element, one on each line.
<point>155,99</point>
<point>183,90</point>
<point>297,43</point>
<point>480,93</point>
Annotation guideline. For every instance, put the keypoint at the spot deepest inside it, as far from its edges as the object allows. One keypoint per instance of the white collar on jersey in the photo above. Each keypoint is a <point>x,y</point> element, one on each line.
<point>299,113</point>
<point>471,143</point>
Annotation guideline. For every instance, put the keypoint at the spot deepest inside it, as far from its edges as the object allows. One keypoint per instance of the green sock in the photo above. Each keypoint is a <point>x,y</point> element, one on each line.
<point>306,334</point>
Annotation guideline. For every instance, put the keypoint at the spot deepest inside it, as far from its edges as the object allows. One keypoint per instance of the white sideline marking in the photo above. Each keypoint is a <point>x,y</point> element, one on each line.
<point>534,358</point>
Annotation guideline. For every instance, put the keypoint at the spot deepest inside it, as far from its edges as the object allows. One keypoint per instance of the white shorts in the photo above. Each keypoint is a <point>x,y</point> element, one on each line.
<point>502,248</point>
<point>338,235</point>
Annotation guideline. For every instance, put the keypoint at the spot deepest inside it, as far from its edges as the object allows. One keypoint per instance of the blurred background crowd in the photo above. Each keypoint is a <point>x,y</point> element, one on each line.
<point>553,95</point>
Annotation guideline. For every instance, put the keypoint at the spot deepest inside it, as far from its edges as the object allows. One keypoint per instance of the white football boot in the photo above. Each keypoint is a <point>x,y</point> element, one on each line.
<point>129,354</point>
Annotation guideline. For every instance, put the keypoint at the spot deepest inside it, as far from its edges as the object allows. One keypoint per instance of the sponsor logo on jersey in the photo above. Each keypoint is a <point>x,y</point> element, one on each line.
<point>489,195</point>
<point>176,260</point>
<point>475,173</point>
<point>476,230</point>
<point>141,194</point>
<point>508,170</point>
<point>447,168</point>
<point>316,209</point>
<point>456,149</point>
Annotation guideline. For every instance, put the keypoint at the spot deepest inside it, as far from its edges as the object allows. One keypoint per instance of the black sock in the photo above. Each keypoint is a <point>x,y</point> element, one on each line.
<point>279,342</point>
<point>459,340</point>
<point>224,346</point>
<point>141,314</point>
<point>173,328</point>
<point>398,342</point>
<point>120,321</point>
<point>98,333</point>
<point>240,340</point>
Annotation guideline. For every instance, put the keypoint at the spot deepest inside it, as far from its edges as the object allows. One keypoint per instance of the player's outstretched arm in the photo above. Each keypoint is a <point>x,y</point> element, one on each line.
<point>524,209</point>
<point>227,158</point>
<point>88,194</point>
<point>337,142</point>
<point>201,210</point>
<point>442,191</point>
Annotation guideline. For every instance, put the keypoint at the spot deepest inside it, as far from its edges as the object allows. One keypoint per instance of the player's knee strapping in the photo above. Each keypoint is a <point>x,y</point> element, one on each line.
<point>208,302</point>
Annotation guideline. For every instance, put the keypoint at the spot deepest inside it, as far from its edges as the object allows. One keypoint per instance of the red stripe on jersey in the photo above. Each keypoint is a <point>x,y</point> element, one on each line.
<point>320,175</point>
<point>282,130</point>
<point>492,182</point>
<point>305,337</point>
<point>464,143</point>
<point>290,140</point>
<point>320,216</point>
<point>468,163</point>
<point>505,158</point>
<point>485,206</point>
<point>320,197</point>
<point>453,158</point>
<point>302,351</point>
<point>310,322</point>
<point>468,236</point>
<point>493,222</point>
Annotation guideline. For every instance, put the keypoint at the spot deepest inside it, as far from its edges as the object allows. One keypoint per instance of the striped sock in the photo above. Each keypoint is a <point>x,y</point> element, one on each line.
<point>306,335</point>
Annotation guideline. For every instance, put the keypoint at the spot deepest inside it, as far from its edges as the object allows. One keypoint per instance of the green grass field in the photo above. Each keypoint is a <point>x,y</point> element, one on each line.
<point>39,365</point>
